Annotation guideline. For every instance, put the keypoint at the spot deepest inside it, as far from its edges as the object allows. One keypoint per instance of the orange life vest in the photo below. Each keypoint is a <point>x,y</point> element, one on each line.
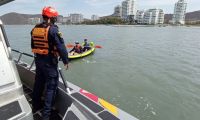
<point>40,41</point>
<point>77,46</point>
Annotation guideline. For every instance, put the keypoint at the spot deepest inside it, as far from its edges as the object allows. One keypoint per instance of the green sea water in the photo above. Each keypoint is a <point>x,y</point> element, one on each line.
<point>153,73</point>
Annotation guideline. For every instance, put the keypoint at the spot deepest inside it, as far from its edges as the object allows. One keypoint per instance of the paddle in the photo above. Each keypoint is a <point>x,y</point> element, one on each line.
<point>98,46</point>
<point>71,46</point>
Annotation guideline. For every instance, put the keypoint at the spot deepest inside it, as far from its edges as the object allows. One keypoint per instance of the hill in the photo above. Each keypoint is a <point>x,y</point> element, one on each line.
<point>190,16</point>
<point>16,18</point>
<point>21,19</point>
<point>193,16</point>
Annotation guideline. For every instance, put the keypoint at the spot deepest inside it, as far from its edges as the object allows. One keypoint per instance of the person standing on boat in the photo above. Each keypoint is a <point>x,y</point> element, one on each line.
<point>86,45</point>
<point>47,45</point>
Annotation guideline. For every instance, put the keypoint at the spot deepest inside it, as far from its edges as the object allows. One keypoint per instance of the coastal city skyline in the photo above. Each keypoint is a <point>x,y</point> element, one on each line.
<point>89,7</point>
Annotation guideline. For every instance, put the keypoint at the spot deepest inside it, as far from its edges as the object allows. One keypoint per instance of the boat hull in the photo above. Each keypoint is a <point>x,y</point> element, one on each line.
<point>81,103</point>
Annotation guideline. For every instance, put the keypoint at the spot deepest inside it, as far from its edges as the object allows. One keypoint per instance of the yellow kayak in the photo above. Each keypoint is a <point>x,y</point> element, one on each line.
<point>73,55</point>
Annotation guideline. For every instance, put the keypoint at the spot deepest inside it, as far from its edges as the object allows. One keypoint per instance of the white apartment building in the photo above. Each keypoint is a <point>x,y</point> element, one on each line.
<point>128,8</point>
<point>151,16</point>
<point>147,17</point>
<point>66,20</point>
<point>95,17</point>
<point>60,19</point>
<point>161,17</point>
<point>34,21</point>
<point>140,16</point>
<point>179,12</point>
<point>76,18</point>
<point>118,11</point>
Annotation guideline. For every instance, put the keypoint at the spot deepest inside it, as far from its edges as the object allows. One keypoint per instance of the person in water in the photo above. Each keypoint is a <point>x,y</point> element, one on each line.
<point>77,48</point>
<point>86,45</point>
<point>47,45</point>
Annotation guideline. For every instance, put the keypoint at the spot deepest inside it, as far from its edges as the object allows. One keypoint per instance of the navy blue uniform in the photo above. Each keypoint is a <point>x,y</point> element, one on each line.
<point>86,46</point>
<point>47,75</point>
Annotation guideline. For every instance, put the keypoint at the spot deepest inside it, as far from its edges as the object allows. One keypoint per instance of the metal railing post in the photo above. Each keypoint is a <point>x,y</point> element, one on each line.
<point>20,56</point>
<point>32,64</point>
<point>64,81</point>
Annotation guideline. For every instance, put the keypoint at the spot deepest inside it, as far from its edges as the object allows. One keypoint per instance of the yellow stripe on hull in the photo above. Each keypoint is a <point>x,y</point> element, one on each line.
<point>113,109</point>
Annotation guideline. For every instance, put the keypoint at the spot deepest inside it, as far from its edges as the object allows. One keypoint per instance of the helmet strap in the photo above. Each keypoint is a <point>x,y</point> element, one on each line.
<point>53,20</point>
<point>46,19</point>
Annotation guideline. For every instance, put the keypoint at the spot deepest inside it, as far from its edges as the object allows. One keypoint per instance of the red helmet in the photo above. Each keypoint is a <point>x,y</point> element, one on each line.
<point>49,12</point>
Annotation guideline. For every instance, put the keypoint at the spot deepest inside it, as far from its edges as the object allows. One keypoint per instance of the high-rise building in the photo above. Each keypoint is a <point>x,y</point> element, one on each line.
<point>179,12</point>
<point>140,16</point>
<point>76,18</point>
<point>147,17</point>
<point>60,19</point>
<point>95,17</point>
<point>151,16</point>
<point>161,17</point>
<point>66,20</point>
<point>118,11</point>
<point>128,8</point>
<point>157,16</point>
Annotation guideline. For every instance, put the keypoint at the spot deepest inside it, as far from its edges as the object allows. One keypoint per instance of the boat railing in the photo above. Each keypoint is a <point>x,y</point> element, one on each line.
<point>32,63</point>
<point>26,54</point>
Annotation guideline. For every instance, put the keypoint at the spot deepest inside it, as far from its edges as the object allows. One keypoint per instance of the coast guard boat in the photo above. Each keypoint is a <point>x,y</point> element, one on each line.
<point>72,102</point>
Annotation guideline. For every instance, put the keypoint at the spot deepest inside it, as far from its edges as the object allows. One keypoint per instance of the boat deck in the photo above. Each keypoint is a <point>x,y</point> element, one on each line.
<point>37,114</point>
<point>79,104</point>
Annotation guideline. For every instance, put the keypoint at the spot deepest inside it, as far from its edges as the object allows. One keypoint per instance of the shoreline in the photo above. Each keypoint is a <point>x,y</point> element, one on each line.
<point>113,25</point>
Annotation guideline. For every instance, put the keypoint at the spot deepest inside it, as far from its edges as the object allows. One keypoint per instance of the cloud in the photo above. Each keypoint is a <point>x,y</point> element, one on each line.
<point>167,5</point>
<point>86,7</point>
<point>101,2</point>
<point>159,2</point>
<point>26,1</point>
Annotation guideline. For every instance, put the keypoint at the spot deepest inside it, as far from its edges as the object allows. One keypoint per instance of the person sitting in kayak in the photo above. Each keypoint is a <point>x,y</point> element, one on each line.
<point>77,48</point>
<point>86,45</point>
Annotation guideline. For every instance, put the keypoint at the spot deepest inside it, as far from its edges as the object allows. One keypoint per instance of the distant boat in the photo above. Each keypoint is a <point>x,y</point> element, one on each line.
<point>84,54</point>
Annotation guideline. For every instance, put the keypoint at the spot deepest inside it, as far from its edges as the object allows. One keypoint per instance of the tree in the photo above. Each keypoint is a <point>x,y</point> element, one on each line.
<point>106,20</point>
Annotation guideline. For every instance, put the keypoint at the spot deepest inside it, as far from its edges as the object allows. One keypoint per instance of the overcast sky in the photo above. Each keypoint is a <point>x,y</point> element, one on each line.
<point>89,7</point>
